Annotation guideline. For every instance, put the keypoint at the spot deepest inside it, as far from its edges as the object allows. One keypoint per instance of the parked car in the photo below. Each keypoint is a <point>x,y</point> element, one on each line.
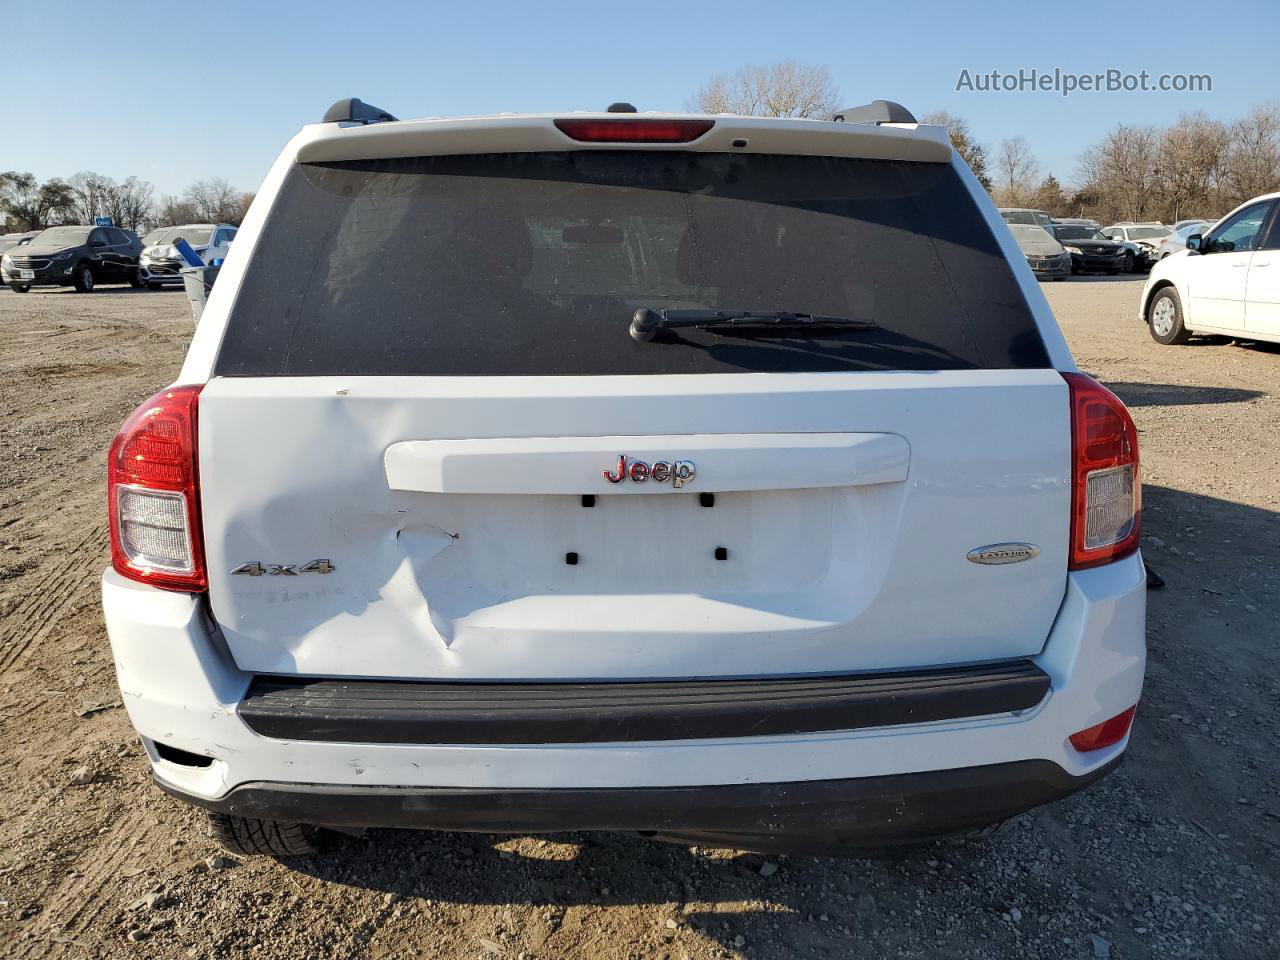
<point>1045,255</point>
<point>522,502</point>
<point>1027,215</point>
<point>1176,242</point>
<point>73,256</point>
<point>1140,240</point>
<point>1091,251</point>
<point>1194,220</point>
<point>10,240</point>
<point>1227,281</point>
<point>161,264</point>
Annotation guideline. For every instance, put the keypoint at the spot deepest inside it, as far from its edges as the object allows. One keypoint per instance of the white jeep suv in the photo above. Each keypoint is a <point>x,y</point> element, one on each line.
<point>722,478</point>
<point>1226,281</point>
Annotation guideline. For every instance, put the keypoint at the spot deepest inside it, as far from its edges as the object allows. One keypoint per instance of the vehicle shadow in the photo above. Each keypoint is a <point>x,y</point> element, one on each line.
<point>1205,340</point>
<point>1108,278</point>
<point>98,290</point>
<point>1057,876</point>
<point>1259,346</point>
<point>1177,394</point>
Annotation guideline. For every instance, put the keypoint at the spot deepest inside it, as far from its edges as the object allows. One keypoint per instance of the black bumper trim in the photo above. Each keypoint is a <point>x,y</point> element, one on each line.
<point>411,712</point>
<point>806,816</point>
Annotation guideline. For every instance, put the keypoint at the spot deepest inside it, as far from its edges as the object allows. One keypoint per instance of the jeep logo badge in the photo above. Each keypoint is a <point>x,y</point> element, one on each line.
<point>677,472</point>
<point>998,553</point>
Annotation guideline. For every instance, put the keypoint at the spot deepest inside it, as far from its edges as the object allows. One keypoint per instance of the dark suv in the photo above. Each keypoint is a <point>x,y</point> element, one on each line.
<point>77,257</point>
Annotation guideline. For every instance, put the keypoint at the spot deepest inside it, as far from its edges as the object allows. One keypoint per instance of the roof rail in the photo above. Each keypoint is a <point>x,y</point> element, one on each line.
<point>356,110</point>
<point>877,111</point>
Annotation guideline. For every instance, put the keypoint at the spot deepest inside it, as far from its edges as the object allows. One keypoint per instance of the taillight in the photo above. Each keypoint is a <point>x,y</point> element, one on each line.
<point>634,131</point>
<point>153,497</point>
<point>1104,734</point>
<point>1106,494</point>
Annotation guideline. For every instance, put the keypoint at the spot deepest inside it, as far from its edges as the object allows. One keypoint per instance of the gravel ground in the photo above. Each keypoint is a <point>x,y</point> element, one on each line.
<point>1173,856</point>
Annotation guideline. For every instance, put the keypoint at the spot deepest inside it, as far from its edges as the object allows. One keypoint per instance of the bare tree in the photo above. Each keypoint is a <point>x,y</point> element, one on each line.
<point>786,89</point>
<point>1252,162</point>
<point>127,203</point>
<point>1016,171</point>
<point>1096,196</point>
<point>972,152</point>
<point>1189,163</point>
<point>214,200</point>
<point>1123,172</point>
<point>91,194</point>
<point>245,200</point>
<point>172,211</point>
<point>130,203</point>
<point>33,205</point>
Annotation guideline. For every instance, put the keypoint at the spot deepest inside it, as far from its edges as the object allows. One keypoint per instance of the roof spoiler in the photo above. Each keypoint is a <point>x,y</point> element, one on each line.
<point>877,112</point>
<point>354,110</point>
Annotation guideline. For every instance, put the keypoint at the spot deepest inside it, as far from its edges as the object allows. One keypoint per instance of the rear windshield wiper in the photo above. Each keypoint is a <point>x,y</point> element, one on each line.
<point>646,323</point>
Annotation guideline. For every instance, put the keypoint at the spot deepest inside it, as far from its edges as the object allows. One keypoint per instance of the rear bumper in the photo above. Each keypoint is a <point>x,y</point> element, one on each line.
<point>818,816</point>
<point>183,690</point>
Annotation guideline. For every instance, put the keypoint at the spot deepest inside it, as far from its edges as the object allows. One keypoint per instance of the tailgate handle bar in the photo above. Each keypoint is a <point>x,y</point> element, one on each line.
<point>709,462</point>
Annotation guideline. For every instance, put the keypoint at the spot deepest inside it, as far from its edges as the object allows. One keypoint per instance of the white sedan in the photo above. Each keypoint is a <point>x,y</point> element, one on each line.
<point>1226,282</point>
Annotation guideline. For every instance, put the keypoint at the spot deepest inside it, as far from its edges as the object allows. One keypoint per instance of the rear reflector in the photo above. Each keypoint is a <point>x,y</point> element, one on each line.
<point>153,497</point>
<point>153,529</point>
<point>634,131</point>
<point>1106,733</point>
<point>1106,495</point>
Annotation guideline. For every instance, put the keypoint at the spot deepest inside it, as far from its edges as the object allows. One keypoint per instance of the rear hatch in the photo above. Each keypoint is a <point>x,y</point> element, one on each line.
<point>431,449</point>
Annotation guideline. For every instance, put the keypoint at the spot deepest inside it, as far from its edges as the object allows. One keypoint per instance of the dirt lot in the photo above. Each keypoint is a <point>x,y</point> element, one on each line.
<point>1174,856</point>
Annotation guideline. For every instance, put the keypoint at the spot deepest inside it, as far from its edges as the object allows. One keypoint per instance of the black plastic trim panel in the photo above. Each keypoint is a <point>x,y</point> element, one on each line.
<point>816,816</point>
<point>407,712</point>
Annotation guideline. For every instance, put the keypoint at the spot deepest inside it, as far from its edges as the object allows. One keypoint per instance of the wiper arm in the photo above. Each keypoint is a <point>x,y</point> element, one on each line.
<point>646,323</point>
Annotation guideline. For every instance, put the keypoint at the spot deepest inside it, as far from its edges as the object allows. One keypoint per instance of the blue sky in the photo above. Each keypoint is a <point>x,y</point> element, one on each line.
<point>179,98</point>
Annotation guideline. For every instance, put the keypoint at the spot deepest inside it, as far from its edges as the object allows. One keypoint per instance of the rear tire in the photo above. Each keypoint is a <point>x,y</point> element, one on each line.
<point>83,281</point>
<point>1164,318</point>
<point>135,280</point>
<point>249,836</point>
<point>19,288</point>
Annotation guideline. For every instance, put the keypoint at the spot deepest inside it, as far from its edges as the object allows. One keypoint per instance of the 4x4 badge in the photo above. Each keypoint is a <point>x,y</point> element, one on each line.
<point>678,472</point>
<point>255,569</point>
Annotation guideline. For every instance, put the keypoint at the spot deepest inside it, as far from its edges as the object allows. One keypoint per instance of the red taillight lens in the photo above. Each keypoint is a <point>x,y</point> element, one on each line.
<point>153,498</point>
<point>634,131</point>
<point>1106,493</point>
<point>1104,734</point>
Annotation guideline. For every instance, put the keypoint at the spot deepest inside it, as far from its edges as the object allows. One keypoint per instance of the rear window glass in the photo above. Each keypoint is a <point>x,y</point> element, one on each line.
<point>1072,232</point>
<point>1147,233</point>
<point>533,264</point>
<point>1018,216</point>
